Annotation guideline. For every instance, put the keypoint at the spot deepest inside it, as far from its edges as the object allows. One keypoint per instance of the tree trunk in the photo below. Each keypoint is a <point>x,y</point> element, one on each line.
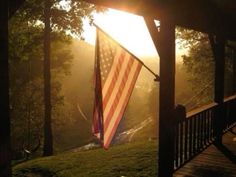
<point>5,141</point>
<point>48,138</point>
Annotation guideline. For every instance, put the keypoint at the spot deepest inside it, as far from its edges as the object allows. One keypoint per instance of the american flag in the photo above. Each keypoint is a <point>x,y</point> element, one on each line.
<point>116,71</point>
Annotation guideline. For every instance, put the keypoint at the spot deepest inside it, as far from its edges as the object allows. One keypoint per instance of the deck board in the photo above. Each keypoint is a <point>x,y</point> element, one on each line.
<point>212,162</point>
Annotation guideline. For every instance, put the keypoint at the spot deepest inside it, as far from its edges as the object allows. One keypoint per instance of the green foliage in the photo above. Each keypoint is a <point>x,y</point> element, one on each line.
<point>230,67</point>
<point>26,66</point>
<point>66,15</point>
<point>132,159</point>
<point>199,64</point>
<point>26,78</point>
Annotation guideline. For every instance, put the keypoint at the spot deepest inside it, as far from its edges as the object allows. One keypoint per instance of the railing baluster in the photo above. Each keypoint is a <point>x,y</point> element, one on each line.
<point>198,133</point>
<point>177,146</point>
<point>202,128</point>
<point>186,139</point>
<point>190,137</point>
<point>194,134</point>
<point>209,126</point>
<point>211,122</point>
<point>205,128</point>
<point>181,143</point>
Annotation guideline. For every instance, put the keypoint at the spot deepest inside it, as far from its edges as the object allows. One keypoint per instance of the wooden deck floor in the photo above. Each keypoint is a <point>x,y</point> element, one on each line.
<point>213,162</point>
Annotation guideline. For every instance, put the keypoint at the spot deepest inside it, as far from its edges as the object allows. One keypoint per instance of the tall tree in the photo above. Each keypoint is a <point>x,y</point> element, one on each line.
<point>26,83</point>
<point>48,137</point>
<point>200,66</point>
<point>5,155</point>
<point>66,16</point>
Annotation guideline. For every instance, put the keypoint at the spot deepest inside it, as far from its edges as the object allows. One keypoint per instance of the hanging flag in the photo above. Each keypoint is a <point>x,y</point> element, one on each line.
<point>116,71</point>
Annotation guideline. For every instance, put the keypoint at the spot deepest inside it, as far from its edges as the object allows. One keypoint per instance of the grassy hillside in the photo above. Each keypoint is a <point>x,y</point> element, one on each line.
<point>129,160</point>
<point>78,93</point>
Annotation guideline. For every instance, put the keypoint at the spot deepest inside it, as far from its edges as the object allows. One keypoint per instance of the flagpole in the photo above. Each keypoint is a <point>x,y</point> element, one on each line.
<point>157,77</point>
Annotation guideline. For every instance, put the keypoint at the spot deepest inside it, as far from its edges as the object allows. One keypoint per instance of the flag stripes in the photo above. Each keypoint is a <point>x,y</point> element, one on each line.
<point>112,125</point>
<point>116,73</point>
<point>116,97</point>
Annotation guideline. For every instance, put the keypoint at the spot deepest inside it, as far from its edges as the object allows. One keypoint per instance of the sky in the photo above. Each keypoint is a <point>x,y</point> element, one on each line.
<point>128,29</point>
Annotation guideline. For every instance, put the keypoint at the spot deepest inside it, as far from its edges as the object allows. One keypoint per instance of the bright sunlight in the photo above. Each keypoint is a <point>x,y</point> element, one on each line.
<point>128,29</point>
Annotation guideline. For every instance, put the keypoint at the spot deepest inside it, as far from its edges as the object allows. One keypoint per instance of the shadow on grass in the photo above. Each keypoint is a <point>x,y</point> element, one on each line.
<point>35,172</point>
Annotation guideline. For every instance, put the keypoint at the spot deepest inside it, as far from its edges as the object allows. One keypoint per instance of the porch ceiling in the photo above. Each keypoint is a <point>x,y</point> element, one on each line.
<point>210,16</point>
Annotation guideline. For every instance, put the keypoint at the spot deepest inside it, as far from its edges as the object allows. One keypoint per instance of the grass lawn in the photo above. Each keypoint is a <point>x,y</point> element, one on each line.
<point>129,160</point>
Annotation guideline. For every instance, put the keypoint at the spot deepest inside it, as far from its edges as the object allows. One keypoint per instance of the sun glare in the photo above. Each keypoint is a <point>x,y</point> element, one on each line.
<point>128,29</point>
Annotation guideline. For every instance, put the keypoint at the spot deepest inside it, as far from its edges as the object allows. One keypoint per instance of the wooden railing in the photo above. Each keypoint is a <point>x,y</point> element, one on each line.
<point>195,131</point>
<point>230,112</point>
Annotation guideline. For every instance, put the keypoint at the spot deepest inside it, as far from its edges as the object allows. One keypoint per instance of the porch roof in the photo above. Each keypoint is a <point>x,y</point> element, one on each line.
<point>209,16</point>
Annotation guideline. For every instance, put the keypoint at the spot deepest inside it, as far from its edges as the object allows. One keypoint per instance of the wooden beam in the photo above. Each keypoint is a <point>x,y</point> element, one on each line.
<point>199,15</point>
<point>5,148</point>
<point>154,32</point>
<point>234,71</point>
<point>218,47</point>
<point>164,41</point>
<point>167,98</point>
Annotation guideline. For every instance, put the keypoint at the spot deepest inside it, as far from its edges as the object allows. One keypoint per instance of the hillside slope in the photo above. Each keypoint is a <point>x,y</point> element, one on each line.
<point>78,93</point>
<point>140,120</point>
<point>129,160</point>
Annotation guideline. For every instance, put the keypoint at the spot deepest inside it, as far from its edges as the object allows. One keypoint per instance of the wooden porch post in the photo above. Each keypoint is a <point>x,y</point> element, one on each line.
<point>234,71</point>
<point>218,46</point>
<point>5,152</point>
<point>164,41</point>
